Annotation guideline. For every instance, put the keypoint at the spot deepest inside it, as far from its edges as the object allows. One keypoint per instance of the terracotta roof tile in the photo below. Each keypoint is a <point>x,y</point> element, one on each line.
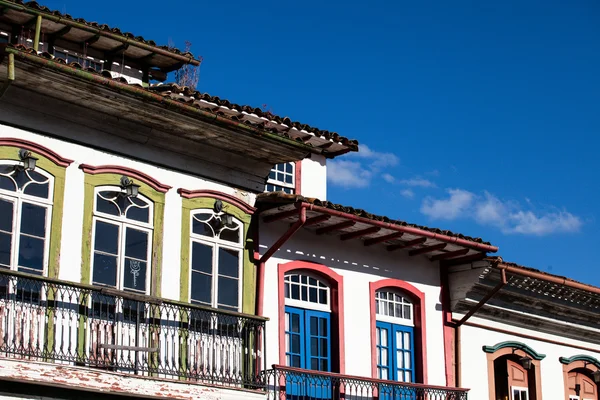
<point>272,198</point>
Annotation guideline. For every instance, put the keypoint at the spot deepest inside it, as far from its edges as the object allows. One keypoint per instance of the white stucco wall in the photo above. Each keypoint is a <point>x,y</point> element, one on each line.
<point>70,254</point>
<point>359,265</point>
<point>314,177</point>
<point>474,369</point>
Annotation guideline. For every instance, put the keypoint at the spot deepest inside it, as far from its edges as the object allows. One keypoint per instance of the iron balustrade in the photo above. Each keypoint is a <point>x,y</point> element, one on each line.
<point>53,321</point>
<point>299,384</point>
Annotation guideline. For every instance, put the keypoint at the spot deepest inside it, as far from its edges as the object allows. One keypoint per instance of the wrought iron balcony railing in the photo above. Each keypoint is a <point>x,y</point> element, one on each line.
<point>53,321</point>
<point>299,384</point>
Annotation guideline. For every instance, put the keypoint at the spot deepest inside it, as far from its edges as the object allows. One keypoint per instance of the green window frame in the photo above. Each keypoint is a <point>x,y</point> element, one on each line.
<point>56,166</point>
<point>192,203</point>
<point>95,177</point>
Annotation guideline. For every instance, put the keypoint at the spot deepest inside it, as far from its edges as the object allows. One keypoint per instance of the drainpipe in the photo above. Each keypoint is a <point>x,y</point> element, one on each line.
<point>38,29</point>
<point>458,347</point>
<point>260,290</point>
<point>11,74</point>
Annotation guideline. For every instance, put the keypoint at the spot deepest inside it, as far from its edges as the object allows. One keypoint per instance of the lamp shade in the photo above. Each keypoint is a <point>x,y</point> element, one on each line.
<point>526,362</point>
<point>27,159</point>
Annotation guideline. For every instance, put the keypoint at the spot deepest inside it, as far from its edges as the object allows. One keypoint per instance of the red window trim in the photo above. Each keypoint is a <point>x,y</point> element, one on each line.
<point>418,299</point>
<point>336,289</point>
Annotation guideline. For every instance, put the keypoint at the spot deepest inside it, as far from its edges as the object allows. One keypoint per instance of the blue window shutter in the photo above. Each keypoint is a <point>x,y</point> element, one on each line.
<point>296,354</point>
<point>318,340</point>
<point>404,344</point>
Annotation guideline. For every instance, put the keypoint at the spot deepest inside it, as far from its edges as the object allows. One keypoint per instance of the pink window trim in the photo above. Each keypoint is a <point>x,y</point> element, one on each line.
<point>336,283</point>
<point>418,299</point>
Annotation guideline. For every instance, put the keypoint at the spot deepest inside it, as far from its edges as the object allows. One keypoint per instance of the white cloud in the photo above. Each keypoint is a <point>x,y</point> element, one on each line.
<point>453,207</point>
<point>408,193</point>
<point>388,178</point>
<point>358,169</point>
<point>418,182</point>
<point>348,174</point>
<point>507,216</point>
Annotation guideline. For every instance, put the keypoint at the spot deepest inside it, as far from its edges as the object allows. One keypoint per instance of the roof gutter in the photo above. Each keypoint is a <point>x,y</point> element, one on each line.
<point>156,98</point>
<point>548,278</point>
<point>100,32</point>
<point>406,229</point>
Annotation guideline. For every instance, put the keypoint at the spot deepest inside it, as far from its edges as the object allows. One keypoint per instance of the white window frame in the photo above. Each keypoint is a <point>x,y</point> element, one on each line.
<point>283,184</point>
<point>305,304</point>
<point>393,319</point>
<point>520,389</point>
<point>17,198</point>
<point>216,242</point>
<point>123,223</point>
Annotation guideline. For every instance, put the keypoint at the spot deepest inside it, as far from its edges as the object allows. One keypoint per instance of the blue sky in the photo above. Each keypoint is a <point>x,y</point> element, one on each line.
<point>478,117</point>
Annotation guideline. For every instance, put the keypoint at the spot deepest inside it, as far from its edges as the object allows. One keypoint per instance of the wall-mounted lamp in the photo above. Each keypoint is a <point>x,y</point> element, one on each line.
<point>526,362</point>
<point>27,159</point>
<point>596,375</point>
<point>222,219</point>
<point>577,389</point>
<point>130,188</point>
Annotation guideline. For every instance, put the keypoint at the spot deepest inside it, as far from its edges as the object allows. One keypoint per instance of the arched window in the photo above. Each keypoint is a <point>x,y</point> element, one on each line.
<point>394,335</point>
<point>216,259</point>
<point>26,199</point>
<point>122,240</point>
<point>581,376</point>
<point>307,321</point>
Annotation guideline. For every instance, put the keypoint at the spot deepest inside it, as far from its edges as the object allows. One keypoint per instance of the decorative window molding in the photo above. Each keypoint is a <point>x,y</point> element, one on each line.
<point>417,298</point>
<point>55,166</point>
<point>282,178</point>
<point>95,179</point>
<point>194,202</point>
<point>336,286</point>
<point>129,172</point>
<point>514,350</point>
<point>575,366</point>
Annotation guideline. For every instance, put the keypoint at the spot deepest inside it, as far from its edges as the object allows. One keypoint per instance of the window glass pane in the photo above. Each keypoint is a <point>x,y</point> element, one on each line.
<point>295,323</point>
<point>230,235</point>
<point>105,206</point>
<point>229,262</point>
<point>134,276</point>
<point>228,291</point>
<point>33,220</point>
<point>323,327</point>
<point>314,364</point>
<point>5,248</point>
<point>296,362</point>
<point>31,252</point>
<point>6,183</point>
<point>322,296</point>
<point>105,269</point>
<point>324,365</point>
<point>106,237</point>
<point>138,214</point>
<point>37,189</point>
<point>324,346</point>
<point>289,167</point>
<point>201,288</point>
<point>295,343</point>
<point>202,257</point>
<point>21,178</point>
<point>136,244</point>
<point>314,346</point>
<point>288,179</point>
<point>6,215</point>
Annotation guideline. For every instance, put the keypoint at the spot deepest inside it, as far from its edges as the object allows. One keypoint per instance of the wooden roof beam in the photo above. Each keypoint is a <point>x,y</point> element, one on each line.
<point>92,40</point>
<point>464,260</point>
<point>317,220</point>
<point>384,238</point>
<point>406,245</point>
<point>335,227</point>
<point>449,254</point>
<point>428,249</point>
<point>363,232</point>
<point>117,51</point>
<point>279,216</point>
<point>62,31</point>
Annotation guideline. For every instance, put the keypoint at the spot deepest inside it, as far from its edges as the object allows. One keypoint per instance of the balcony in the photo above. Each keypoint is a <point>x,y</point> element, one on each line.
<point>298,384</point>
<point>107,330</point>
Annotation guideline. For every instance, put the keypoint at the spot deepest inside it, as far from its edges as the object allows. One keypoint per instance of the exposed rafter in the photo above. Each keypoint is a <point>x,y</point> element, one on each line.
<point>463,260</point>
<point>384,238</point>
<point>406,245</point>
<point>335,227</point>
<point>317,220</point>
<point>449,254</point>
<point>94,39</point>
<point>280,216</point>
<point>428,249</point>
<point>62,32</point>
<point>357,234</point>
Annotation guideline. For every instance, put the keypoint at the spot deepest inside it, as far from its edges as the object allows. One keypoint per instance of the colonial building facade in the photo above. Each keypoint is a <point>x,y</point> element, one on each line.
<point>160,242</point>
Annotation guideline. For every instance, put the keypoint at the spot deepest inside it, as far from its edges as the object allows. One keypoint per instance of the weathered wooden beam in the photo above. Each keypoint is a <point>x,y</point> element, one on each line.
<point>280,215</point>
<point>357,234</point>
<point>449,254</point>
<point>30,23</point>
<point>144,60</point>
<point>335,227</point>
<point>384,238</point>
<point>62,32</point>
<point>114,52</point>
<point>317,220</point>
<point>406,245</point>
<point>463,260</point>
<point>428,249</point>
<point>93,40</point>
